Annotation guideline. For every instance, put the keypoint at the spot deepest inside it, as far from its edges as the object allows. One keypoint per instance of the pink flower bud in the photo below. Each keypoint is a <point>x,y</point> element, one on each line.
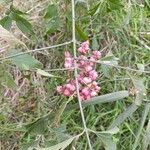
<point>87,80</point>
<point>68,65</point>
<point>88,97</point>
<point>88,68</point>
<point>67,92</point>
<point>84,48</point>
<point>93,93</point>
<point>59,89</point>
<point>96,54</point>
<point>70,87</point>
<point>97,88</point>
<point>85,91</point>
<point>67,54</point>
<point>93,74</point>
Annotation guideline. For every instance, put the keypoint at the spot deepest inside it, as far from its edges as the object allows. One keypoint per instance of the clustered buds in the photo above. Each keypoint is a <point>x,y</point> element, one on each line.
<point>88,86</point>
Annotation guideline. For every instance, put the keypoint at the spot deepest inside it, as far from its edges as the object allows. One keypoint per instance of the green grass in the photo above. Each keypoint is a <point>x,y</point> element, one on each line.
<point>37,116</point>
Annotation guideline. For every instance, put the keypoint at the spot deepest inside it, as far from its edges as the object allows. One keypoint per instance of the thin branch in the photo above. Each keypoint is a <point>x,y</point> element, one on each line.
<point>111,65</point>
<point>76,74</point>
<point>36,50</point>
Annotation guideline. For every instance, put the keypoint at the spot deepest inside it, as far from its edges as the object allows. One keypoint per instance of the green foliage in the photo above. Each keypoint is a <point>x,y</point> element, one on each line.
<point>39,118</point>
<point>6,78</point>
<point>6,22</point>
<point>16,15</point>
<point>25,61</point>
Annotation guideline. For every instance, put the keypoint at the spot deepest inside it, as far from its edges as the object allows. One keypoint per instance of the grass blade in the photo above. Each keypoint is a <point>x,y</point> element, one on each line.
<point>123,116</point>
<point>143,119</point>
<point>146,140</point>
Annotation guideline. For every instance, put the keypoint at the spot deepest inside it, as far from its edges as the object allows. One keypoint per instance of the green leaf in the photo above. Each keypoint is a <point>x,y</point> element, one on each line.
<point>6,78</point>
<point>108,142</point>
<point>52,26</point>
<point>114,5</point>
<point>123,116</point>
<point>24,25</point>
<point>46,74</point>
<point>146,140</point>
<point>6,22</point>
<point>143,120</point>
<point>62,145</point>
<point>51,12</point>
<point>112,131</point>
<point>95,10</point>
<point>59,146</point>
<point>106,98</point>
<point>139,87</point>
<point>95,45</point>
<point>15,10</point>
<point>25,61</point>
<point>80,33</point>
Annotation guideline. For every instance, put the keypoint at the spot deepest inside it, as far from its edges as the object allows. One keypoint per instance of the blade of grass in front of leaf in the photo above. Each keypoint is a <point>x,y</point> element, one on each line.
<point>106,98</point>
<point>123,116</point>
<point>143,119</point>
<point>146,141</point>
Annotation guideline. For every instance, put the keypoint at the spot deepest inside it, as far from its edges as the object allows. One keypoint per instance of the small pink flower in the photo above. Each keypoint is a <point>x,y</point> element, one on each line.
<point>92,61</point>
<point>59,89</point>
<point>88,97</point>
<point>96,54</point>
<point>88,68</point>
<point>67,92</point>
<point>84,48</point>
<point>93,93</point>
<point>68,65</point>
<point>97,88</point>
<point>87,80</point>
<point>70,87</point>
<point>67,54</point>
<point>93,74</point>
<point>85,91</point>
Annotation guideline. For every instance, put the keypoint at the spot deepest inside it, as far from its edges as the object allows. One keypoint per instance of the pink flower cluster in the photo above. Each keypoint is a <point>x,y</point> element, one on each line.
<point>88,86</point>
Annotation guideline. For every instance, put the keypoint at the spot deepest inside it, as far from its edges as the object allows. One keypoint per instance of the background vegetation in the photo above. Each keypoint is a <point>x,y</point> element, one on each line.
<point>33,115</point>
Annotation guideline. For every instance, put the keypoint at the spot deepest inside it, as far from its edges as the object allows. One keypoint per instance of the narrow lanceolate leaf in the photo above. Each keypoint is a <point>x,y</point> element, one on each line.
<point>146,141</point>
<point>23,24</point>
<point>8,37</point>
<point>81,33</point>
<point>62,145</point>
<point>106,98</point>
<point>123,116</point>
<point>6,22</point>
<point>46,74</point>
<point>24,62</point>
<point>143,119</point>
